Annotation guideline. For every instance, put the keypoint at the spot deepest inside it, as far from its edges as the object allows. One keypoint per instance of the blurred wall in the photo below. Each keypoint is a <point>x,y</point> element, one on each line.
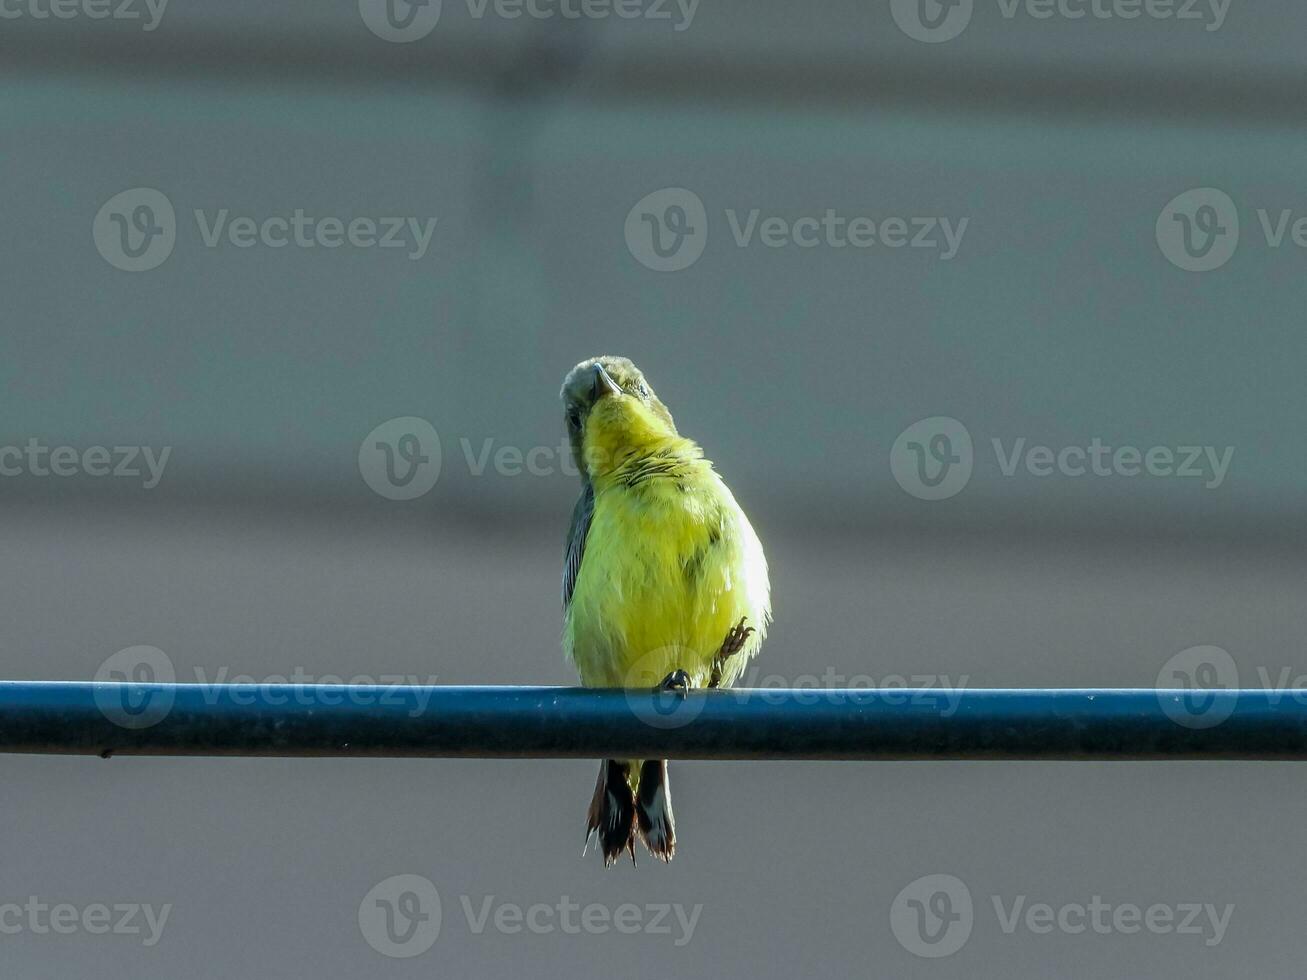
<point>1057,320</point>
<point>271,538</point>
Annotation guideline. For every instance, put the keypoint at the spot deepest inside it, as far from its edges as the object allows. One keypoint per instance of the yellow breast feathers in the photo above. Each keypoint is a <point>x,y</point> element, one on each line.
<point>671,564</point>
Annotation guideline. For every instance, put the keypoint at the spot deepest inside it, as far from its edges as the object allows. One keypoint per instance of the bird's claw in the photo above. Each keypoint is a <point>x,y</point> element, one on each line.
<point>677,681</point>
<point>736,637</point>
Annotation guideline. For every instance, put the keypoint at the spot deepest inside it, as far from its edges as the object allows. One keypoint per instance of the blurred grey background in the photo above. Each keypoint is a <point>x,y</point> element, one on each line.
<point>263,371</point>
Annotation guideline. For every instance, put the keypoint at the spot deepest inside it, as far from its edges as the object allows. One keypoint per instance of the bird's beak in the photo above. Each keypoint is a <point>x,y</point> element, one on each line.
<point>603,384</point>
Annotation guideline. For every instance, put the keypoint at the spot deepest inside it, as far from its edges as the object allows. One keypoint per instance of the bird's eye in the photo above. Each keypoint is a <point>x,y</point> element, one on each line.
<point>644,392</point>
<point>573,418</point>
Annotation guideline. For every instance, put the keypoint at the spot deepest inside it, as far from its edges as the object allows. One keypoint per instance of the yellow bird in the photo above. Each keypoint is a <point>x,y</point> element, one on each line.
<point>664,582</point>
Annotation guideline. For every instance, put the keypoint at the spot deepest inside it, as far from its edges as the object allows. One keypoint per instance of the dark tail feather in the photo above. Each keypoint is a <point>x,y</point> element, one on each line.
<point>612,812</point>
<point>653,810</point>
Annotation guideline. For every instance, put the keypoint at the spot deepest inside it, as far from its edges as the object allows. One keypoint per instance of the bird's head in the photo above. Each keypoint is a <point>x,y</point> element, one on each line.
<point>612,414</point>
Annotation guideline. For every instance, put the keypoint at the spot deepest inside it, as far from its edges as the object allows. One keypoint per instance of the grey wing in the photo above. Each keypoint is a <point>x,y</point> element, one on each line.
<point>576,535</point>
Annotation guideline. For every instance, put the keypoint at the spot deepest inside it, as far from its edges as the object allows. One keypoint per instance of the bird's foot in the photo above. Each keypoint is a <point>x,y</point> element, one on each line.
<point>736,637</point>
<point>678,681</point>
